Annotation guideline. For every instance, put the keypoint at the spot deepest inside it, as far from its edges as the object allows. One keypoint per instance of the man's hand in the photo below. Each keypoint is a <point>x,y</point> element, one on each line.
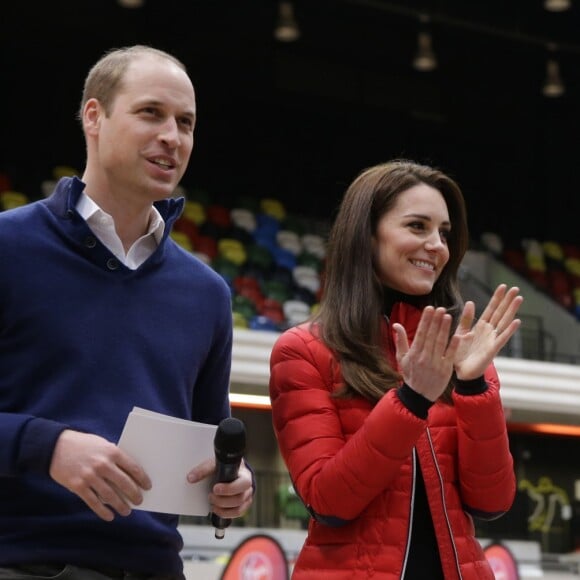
<point>227,500</point>
<point>100,473</point>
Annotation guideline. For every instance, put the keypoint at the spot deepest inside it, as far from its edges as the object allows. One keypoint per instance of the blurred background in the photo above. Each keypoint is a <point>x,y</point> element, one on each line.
<point>493,98</point>
<point>294,99</point>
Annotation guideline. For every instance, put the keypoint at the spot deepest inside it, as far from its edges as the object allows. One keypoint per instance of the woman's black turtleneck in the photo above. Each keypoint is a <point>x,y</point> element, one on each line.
<point>390,297</point>
<point>424,562</point>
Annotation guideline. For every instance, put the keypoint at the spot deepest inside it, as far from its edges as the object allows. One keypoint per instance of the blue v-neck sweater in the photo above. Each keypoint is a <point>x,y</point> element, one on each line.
<point>83,340</point>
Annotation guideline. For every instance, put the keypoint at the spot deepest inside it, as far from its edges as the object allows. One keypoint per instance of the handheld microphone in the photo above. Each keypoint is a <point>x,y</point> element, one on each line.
<point>229,446</point>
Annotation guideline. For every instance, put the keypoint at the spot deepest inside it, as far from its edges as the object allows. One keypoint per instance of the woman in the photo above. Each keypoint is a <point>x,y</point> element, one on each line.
<point>386,405</point>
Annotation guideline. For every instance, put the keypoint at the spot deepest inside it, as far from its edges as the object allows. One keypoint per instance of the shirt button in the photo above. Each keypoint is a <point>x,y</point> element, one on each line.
<point>90,241</point>
<point>112,264</point>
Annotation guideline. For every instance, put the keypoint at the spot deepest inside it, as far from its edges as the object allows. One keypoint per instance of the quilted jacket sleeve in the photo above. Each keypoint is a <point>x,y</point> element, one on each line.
<point>338,467</point>
<point>486,471</point>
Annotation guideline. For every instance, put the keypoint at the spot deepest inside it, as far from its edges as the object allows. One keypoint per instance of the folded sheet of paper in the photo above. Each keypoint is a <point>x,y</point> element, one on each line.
<point>168,448</point>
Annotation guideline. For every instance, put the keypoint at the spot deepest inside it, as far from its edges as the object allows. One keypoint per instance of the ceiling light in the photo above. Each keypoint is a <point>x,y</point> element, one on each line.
<point>553,85</point>
<point>557,5</point>
<point>286,28</point>
<point>131,3</point>
<point>425,59</point>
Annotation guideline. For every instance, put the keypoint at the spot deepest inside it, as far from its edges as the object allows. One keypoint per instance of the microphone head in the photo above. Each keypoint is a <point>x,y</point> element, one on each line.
<point>230,440</point>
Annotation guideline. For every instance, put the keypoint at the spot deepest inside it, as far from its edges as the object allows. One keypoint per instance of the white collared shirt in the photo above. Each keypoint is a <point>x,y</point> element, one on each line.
<point>103,226</point>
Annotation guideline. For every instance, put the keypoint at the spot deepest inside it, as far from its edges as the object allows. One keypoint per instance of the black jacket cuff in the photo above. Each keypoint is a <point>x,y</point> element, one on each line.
<point>416,403</point>
<point>472,387</point>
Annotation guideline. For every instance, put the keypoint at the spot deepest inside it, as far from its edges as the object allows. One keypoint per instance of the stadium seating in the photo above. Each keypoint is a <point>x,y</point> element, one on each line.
<point>552,267</point>
<point>273,261</point>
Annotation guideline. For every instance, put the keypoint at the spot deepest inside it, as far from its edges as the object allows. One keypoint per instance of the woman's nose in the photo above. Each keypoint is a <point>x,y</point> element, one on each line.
<point>435,241</point>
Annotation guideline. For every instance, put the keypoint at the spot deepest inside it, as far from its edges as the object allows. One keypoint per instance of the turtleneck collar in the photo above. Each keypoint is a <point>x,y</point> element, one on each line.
<point>391,297</point>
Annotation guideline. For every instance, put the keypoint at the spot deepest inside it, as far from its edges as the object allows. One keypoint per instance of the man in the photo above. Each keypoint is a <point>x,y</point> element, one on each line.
<point>101,311</point>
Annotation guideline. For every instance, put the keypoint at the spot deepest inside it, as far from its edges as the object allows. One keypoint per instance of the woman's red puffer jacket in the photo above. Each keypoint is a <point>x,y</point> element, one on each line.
<point>355,465</point>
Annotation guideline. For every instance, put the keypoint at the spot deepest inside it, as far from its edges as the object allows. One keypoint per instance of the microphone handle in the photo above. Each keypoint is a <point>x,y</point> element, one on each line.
<point>226,472</point>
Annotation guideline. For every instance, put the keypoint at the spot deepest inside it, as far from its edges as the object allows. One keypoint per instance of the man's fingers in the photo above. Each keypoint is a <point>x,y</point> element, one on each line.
<point>120,482</point>
<point>112,497</point>
<point>202,470</point>
<point>95,503</point>
<point>235,510</point>
<point>135,473</point>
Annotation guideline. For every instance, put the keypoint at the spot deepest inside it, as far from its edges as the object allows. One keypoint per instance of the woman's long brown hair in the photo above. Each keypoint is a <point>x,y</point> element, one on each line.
<point>351,306</point>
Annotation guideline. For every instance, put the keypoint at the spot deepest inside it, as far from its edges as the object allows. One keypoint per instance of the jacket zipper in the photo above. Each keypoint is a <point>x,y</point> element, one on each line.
<point>441,487</point>
<point>414,480</point>
<point>411,510</point>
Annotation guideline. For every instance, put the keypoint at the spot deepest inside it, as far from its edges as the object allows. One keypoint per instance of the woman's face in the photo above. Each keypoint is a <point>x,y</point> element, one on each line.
<point>411,241</point>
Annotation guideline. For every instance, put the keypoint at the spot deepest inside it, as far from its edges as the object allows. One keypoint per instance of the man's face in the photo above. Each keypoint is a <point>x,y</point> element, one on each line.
<point>145,142</point>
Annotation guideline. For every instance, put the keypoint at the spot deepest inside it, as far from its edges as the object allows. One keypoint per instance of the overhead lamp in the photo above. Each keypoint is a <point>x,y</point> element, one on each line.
<point>287,29</point>
<point>557,5</point>
<point>131,3</point>
<point>553,85</point>
<point>425,59</point>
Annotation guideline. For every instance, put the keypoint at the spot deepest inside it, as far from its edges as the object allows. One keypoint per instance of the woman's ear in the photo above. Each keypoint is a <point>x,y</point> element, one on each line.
<point>375,247</point>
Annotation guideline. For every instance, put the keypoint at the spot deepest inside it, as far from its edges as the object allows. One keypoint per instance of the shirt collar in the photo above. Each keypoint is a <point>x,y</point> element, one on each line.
<point>89,210</point>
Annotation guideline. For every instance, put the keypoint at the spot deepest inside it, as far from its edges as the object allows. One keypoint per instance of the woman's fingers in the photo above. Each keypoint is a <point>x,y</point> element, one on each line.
<point>401,341</point>
<point>508,310</point>
<point>467,318</point>
<point>440,327</point>
<point>504,336</point>
<point>421,335</point>
<point>493,304</point>
<point>432,337</point>
<point>502,307</point>
<point>427,364</point>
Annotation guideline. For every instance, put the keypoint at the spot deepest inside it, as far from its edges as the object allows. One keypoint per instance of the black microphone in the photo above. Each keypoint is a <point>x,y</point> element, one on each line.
<point>229,445</point>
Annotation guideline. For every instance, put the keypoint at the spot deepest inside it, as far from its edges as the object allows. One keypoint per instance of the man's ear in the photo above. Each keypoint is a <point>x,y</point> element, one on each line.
<point>92,113</point>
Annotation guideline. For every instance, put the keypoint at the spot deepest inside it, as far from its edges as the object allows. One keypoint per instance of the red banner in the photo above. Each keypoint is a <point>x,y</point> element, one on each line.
<point>258,557</point>
<point>502,562</point>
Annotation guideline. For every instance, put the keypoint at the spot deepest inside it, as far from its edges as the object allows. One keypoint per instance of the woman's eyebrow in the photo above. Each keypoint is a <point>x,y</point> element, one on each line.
<point>425,217</point>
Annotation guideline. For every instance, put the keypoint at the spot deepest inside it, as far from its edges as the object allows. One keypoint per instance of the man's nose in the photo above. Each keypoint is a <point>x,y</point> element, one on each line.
<point>170,132</point>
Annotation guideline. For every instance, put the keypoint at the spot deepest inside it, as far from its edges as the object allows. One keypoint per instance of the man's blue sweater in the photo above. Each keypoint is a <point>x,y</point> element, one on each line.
<point>83,340</point>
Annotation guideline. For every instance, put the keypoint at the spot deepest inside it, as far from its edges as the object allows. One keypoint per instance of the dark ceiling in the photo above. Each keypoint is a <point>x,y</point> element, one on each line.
<point>298,121</point>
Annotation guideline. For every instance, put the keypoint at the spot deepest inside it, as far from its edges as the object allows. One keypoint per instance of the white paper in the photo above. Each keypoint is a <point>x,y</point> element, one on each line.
<point>167,448</point>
